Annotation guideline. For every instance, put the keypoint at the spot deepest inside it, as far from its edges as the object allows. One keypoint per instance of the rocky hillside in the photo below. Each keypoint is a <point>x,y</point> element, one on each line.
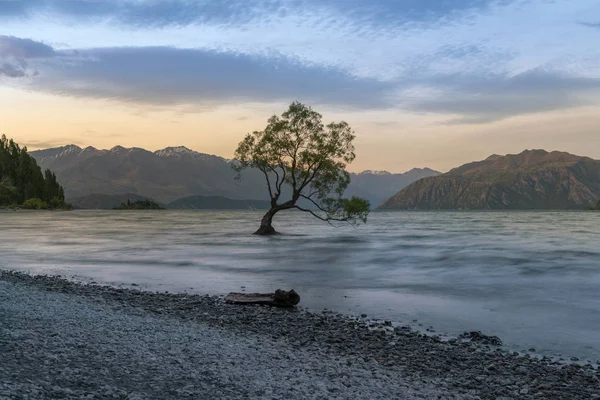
<point>177,172</point>
<point>533,179</point>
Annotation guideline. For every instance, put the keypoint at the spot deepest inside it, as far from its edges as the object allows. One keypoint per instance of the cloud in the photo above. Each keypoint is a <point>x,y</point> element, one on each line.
<point>11,71</point>
<point>19,48</point>
<point>186,12</point>
<point>199,79</point>
<point>15,53</point>
<point>384,40</point>
<point>45,144</point>
<point>344,34</point>
<point>140,13</point>
<point>482,99</point>
<point>165,75</point>
<point>590,24</point>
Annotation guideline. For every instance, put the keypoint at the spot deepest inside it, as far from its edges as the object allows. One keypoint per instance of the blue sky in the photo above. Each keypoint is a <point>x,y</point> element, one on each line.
<point>443,64</point>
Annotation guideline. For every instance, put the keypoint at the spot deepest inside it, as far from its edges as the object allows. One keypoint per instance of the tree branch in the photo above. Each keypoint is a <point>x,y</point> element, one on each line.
<point>314,202</point>
<point>309,180</point>
<point>268,181</point>
<point>282,178</point>
<point>312,194</point>
<point>293,171</point>
<point>328,219</point>
<point>295,161</point>
<point>277,183</point>
<point>314,215</point>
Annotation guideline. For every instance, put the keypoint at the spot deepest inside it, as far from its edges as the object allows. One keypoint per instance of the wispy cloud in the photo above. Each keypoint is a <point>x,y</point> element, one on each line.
<point>149,13</point>
<point>462,59</point>
<point>44,144</point>
<point>590,24</point>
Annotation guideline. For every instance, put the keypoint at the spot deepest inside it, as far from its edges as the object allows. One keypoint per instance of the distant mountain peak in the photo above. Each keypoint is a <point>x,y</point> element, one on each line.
<point>58,152</point>
<point>121,150</point>
<point>68,149</point>
<point>71,147</point>
<point>536,151</point>
<point>118,149</point>
<point>374,172</point>
<point>175,151</point>
<point>425,170</point>
<point>493,157</point>
<point>184,152</point>
<point>415,171</point>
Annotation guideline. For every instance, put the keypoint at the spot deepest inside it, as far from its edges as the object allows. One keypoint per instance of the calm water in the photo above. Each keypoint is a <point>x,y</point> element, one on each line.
<point>533,278</point>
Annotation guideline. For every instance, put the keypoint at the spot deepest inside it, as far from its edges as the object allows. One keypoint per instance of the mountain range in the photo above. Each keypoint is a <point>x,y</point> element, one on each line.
<point>533,179</point>
<point>93,178</point>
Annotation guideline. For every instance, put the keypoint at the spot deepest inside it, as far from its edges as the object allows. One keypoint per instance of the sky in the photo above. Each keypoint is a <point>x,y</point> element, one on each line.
<point>424,83</point>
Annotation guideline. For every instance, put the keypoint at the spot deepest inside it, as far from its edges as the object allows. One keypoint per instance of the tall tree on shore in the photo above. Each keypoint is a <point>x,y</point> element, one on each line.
<point>22,179</point>
<point>296,149</point>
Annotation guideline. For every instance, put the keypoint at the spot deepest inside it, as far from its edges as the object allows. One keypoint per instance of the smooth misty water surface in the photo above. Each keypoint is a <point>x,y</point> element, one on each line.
<point>532,278</point>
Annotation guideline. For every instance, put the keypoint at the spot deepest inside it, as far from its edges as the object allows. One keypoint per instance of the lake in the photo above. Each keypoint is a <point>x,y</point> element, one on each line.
<point>532,278</point>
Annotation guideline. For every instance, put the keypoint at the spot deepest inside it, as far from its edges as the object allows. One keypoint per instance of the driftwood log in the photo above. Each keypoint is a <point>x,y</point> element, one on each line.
<point>280,298</point>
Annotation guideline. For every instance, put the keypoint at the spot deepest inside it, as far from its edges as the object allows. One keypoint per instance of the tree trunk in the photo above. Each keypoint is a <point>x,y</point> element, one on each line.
<point>265,224</point>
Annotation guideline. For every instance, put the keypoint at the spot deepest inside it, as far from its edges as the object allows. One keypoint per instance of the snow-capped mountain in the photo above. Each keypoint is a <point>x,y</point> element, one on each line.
<point>164,175</point>
<point>373,172</point>
<point>58,152</point>
<point>182,151</point>
<point>177,151</point>
<point>176,172</point>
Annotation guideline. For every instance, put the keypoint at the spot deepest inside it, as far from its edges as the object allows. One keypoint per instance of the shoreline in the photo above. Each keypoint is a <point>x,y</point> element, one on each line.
<point>408,323</point>
<point>456,368</point>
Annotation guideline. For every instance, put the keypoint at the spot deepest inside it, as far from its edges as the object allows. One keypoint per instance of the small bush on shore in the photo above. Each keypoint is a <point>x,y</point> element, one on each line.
<point>35,204</point>
<point>594,208</point>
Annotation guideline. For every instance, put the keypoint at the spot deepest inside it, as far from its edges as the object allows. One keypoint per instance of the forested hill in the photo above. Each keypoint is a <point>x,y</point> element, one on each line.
<point>22,182</point>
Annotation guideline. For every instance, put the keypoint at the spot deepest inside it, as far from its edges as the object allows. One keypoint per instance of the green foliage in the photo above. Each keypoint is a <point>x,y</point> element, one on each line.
<point>35,204</point>
<point>22,179</point>
<point>8,193</point>
<point>296,149</point>
<point>139,205</point>
<point>356,206</point>
<point>57,203</point>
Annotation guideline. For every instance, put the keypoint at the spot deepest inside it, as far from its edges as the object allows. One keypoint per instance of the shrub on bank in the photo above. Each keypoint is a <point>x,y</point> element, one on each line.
<point>35,204</point>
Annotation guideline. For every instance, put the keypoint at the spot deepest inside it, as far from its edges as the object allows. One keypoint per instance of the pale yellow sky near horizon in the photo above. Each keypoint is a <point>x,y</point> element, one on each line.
<point>390,140</point>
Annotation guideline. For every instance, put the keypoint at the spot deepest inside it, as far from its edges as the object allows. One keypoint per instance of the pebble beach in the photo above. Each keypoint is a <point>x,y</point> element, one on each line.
<point>61,339</point>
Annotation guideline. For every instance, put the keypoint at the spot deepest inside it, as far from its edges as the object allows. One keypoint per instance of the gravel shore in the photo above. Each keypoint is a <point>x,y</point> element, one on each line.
<point>65,340</point>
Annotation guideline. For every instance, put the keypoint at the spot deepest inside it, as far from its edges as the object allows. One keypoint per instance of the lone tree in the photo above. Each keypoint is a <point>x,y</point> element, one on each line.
<point>297,150</point>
